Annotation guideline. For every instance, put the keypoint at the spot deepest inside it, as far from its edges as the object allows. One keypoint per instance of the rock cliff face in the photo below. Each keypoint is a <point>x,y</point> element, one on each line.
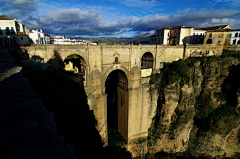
<point>198,108</point>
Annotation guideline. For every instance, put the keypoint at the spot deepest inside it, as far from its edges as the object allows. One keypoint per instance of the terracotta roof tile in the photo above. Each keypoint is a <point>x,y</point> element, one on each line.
<point>21,33</point>
<point>5,17</point>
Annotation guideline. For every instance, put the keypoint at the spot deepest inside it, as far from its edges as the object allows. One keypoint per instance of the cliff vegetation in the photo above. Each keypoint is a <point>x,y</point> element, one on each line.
<point>198,108</point>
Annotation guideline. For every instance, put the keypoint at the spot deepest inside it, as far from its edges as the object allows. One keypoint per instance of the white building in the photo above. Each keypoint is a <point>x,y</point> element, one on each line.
<point>163,35</point>
<point>60,40</point>
<point>198,36</point>
<point>181,35</point>
<point>23,39</point>
<point>38,37</point>
<point>235,37</point>
<point>172,35</point>
<point>8,30</point>
<point>68,41</point>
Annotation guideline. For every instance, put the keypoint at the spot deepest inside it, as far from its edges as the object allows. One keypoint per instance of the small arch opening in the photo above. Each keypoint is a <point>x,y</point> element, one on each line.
<point>147,60</point>
<point>75,63</point>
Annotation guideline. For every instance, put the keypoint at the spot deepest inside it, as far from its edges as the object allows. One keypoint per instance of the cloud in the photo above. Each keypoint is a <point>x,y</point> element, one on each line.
<point>140,3</point>
<point>229,3</point>
<point>18,8</point>
<point>91,22</point>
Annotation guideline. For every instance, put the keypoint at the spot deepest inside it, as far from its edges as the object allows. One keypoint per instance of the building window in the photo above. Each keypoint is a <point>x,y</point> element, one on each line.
<point>229,35</point>
<point>161,34</point>
<point>209,41</point>
<point>21,38</point>
<point>238,42</point>
<point>234,41</point>
<point>210,35</point>
<point>239,35</point>
<point>219,42</point>
<point>236,35</point>
<point>116,59</point>
<point>158,34</point>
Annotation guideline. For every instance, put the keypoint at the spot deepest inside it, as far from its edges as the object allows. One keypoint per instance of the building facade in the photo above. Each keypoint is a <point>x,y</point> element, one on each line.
<point>8,30</point>
<point>182,35</point>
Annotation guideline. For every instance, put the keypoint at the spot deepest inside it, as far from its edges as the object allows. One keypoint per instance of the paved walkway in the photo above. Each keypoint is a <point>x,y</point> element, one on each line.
<point>26,129</point>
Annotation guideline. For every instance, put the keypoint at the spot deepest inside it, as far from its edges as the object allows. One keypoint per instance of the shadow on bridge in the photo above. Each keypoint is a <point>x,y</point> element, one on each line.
<point>68,101</point>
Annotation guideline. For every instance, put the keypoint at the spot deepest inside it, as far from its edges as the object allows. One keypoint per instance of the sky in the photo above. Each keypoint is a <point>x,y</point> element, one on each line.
<point>119,18</point>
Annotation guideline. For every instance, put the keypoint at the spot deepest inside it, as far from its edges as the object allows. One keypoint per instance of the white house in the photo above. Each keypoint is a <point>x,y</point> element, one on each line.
<point>235,37</point>
<point>8,30</point>
<point>198,36</point>
<point>163,35</point>
<point>23,39</point>
<point>181,35</point>
<point>172,35</point>
<point>68,41</point>
<point>60,40</point>
<point>38,37</point>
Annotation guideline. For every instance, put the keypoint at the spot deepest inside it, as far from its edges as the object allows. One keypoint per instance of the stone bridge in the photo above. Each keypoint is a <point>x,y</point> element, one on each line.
<point>117,80</point>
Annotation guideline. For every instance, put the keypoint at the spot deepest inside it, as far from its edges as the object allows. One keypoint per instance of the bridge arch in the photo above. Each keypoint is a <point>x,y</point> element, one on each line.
<point>116,88</point>
<point>147,60</point>
<point>116,67</point>
<point>64,55</point>
<point>75,63</point>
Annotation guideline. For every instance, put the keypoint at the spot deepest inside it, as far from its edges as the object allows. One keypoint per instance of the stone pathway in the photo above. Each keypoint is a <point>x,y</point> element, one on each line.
<point>27,130</point>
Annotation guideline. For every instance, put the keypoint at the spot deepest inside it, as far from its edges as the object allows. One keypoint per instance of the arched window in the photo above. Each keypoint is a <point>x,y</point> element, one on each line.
<point>116,59</point>
<point>147,60</point>
<point>209,41</point>
<point>236,35</point>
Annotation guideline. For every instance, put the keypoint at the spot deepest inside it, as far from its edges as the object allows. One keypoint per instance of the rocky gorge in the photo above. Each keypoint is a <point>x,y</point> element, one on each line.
<point>198,108</point>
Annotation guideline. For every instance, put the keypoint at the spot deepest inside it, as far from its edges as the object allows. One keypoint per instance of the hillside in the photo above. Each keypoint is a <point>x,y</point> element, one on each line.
<point>136,41</point>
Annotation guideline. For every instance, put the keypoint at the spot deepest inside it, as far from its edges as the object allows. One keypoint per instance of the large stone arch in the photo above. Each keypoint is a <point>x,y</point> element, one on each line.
<point>117,67</point>
<point>83,55</point>
<point>117,105</point>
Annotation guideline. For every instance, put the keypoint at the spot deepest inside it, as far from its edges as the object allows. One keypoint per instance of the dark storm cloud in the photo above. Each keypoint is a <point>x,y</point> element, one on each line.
<point>18,8</point>
<point>91,23</point>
